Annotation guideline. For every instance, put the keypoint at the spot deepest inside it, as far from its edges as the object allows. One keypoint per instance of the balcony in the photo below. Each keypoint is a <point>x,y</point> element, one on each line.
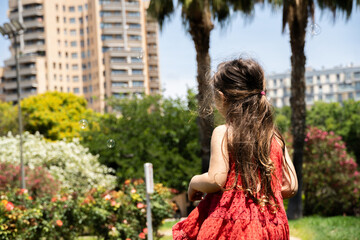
<point>113,30</point>
<point>154,84</point>
<point>153,73</point>
<point>133,19</point>
<point>22,59</point>
<point>152,61</point>
<point>126,77</point>
<point>23,71</point>
<point>113,43</point>
<point>132,6</point>
<point>34,35</point>
<point>112,19</point>
<point>134,31</point>
<point>151,27</point>
<point>23,83</point>
<point>34,23</point>
<point>152,50</point>
<point>13,96</point>
<point>36,11</point>
<point>13,3</point>
<point>151,39</point>
<point>110,6</point>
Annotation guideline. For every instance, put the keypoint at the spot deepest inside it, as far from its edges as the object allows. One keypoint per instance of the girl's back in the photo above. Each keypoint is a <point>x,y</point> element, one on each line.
<point>231,214</point>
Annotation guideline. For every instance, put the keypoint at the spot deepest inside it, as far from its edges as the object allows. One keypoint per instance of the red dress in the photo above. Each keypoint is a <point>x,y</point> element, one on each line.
<point>231,215</point>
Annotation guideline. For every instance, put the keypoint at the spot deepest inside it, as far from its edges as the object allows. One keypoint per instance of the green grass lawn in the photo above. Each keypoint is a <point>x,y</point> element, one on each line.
<point>314,228</point>
<point>334,228</point>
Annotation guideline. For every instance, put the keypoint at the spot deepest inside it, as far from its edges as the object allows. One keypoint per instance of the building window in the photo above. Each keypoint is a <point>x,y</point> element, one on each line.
<point>64,8</point>
<point>357,75</point>
<point>351,96</point>
<point>80,8</point>
<point>73,43</point>
<point>72,20</point>
<point>75,67</point>
<point>76,90</point>
<point>118,59</point>
<point>73,32</point>
<point>357,85</point>
<point>90,88</point>
<point>309,80</point>
<point>133,14</point>
<point>120,84</point>
<point>57,19</point>
<point>118,72</point>
<point>137,71</point>
<point>75,78</point>
<point>138,83</point>
<point>84,78</point>
<point>134,25</point>
<point>339,97</point>
<point>72,9</point>
<point>74,55</point>
<point>135,37</point>
<point>81,20</point>
<point>83,55</point>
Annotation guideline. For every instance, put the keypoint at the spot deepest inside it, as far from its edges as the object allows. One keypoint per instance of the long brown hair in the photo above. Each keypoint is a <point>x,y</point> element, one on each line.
<point>240,85</point>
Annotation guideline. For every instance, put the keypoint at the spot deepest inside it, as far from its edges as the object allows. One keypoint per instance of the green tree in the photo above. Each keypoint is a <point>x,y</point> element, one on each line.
<point>282,118</point>
<point>344,120</point>
<point>8,118</point>
<point>56,115</point>
<point>198,17</point>
<point>296,15</point>
<point>151,129</point>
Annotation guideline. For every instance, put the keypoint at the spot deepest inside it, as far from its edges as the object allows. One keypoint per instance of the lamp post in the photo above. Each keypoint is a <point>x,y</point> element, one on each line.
<point>13,30</point>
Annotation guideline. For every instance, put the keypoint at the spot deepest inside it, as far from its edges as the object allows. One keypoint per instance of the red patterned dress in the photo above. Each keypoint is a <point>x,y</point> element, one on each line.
<point>231,215</point>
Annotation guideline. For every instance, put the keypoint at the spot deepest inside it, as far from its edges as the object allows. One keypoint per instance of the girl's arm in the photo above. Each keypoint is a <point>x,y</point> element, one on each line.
<point>215,178</point>
<point>289,180</point>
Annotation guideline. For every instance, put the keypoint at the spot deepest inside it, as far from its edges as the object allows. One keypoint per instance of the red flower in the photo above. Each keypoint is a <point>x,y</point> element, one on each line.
<point>53,199</point>
<point>23,191</point>
<point>64,198</point>
<point>30,198</point>
<point>145,230</point>
<point>128,239</point>
<point>140,205</point>
<point>113,203</point>
<point>9,206</point>
<point>142,235</point>
<point>59,223</point>
<point>127,181</point>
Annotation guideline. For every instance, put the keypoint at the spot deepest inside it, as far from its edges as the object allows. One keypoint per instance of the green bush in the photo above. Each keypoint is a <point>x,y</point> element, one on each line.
<point>39,181</point>
<point>68,162</point>
<point>330,176</point>
<point>100,212</point>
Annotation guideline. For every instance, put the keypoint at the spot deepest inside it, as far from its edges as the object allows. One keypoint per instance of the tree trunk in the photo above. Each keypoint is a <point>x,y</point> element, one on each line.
<point>297,102</point>
<point>199,29</point>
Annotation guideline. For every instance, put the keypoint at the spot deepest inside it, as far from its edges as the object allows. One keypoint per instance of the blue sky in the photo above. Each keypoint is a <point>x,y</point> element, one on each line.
<point>261,38</point>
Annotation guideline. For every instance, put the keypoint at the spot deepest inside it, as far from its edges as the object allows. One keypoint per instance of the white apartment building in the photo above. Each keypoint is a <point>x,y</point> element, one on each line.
<point>328,85</point>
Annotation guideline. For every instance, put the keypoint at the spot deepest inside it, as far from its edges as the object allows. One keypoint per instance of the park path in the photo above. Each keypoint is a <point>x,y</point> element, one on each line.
<point>168,232</point>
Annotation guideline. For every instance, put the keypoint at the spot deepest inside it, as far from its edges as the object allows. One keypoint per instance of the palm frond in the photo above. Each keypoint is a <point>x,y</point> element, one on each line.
<point>161,10</point>
<point>341,6</point>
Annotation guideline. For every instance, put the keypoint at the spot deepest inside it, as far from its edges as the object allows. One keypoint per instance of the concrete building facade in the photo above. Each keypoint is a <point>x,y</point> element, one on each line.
<point>93,48</point>
<point>329,85</point>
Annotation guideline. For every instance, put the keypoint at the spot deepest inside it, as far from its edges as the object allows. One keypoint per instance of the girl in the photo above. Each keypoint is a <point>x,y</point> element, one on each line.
<point>250,169</point>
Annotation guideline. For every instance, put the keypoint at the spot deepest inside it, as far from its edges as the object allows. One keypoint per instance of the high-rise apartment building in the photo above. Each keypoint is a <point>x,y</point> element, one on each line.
<point>329,85</point>
<point>94,48</point>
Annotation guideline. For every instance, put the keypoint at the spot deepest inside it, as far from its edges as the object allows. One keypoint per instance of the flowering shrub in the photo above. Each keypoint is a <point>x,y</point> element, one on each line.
<point>68,162</point>
<point>330,176</point>
<point>39,180</point>
<point>100,212</point>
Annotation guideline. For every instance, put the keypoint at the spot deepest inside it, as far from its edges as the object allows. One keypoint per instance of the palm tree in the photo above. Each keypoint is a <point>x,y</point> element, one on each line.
<point>198,16</point>
<point>296,15</point>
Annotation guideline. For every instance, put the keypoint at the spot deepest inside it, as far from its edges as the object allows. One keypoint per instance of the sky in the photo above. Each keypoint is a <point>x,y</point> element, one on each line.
<point>260,37</point>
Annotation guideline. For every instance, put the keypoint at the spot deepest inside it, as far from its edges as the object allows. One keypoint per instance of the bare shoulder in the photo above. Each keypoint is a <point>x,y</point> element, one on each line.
<point>219,131</point>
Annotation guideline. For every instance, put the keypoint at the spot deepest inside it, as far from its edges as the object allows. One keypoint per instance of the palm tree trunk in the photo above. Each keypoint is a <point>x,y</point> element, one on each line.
<point>200,32</point>
<point>298,107</point>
